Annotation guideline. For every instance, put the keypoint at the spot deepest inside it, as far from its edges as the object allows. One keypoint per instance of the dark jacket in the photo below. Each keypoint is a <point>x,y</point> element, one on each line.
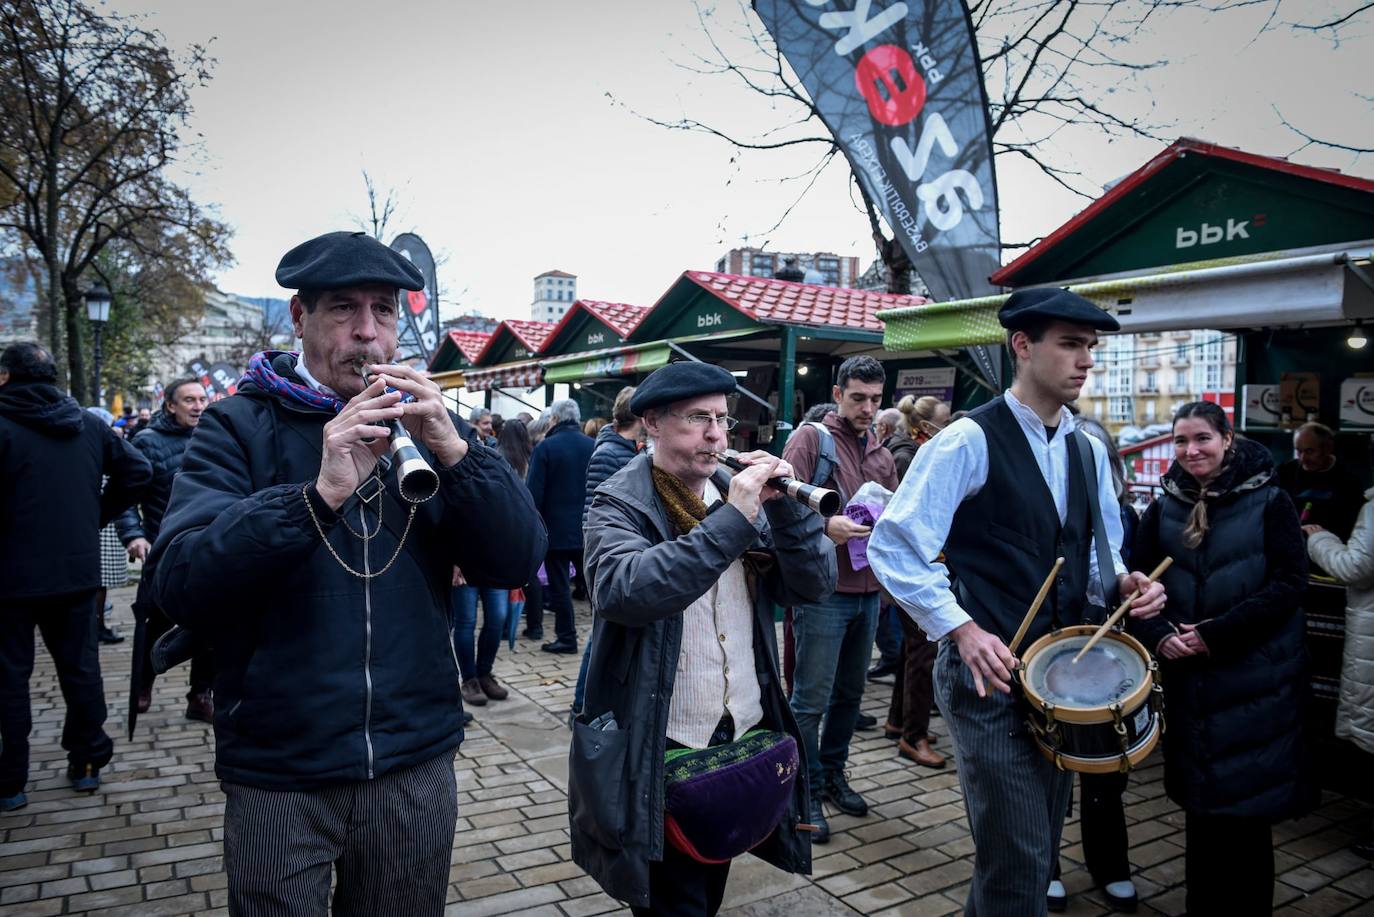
<point>558,481</point>
<point>324,677</point>
<point>860,460</point>
<point>162,442</point>
<point>903,449</point>
<point>1233,744</point>
<point>642,580</point>
<point>611,453</point>
<point>52,506</point>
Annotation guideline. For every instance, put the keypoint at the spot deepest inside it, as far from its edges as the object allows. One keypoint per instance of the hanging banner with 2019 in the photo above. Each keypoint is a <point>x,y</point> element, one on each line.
<point>899,85</point>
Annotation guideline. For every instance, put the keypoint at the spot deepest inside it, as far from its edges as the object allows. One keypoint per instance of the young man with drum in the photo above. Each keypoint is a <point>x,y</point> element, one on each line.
<point>1002,494</point>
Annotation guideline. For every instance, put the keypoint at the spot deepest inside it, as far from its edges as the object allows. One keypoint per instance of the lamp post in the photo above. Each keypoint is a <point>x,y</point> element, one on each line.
<point>98,313</point>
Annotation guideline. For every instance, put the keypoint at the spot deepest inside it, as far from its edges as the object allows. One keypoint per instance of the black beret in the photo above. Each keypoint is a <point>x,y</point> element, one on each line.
<point>346,259</point>
<point>1053,303</point>
<point>678,382</point>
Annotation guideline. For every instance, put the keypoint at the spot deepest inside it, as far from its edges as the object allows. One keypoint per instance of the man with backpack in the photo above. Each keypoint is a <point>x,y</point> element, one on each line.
<point>835,636</point>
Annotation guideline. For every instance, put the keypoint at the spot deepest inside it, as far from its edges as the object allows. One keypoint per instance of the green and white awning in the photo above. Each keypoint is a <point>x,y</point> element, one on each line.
<point>616,361</point>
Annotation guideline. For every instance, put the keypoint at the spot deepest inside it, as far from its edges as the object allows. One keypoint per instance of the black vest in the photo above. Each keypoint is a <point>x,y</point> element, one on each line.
<point>1004,540</point>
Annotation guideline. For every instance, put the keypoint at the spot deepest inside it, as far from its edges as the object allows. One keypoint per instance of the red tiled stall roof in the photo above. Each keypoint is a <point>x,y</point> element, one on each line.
<point>791,303</point>
<point>469,342</point>
<point>620,317</point>
<point>530,333</point>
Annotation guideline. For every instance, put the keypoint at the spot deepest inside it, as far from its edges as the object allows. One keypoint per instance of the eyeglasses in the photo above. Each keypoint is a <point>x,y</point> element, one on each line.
<point>724,421</point>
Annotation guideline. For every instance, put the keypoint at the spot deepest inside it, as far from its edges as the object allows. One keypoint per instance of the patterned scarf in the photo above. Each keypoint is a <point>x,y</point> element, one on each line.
<point>261,374</point>
<point>685,509</point>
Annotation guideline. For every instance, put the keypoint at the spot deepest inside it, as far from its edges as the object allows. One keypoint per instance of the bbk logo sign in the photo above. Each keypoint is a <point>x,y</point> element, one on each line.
<point>710,321</point>
<point>1209,234</point>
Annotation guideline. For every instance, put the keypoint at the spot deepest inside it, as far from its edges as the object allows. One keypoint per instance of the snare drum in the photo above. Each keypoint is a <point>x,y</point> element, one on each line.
<point>1101,714</point>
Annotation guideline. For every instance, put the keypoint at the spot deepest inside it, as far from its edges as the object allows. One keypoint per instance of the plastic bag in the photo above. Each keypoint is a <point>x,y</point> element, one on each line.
<point>865,507</point>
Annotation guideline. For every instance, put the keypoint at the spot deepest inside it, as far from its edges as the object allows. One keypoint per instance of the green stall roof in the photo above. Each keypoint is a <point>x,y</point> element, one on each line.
<point>1199,201</point>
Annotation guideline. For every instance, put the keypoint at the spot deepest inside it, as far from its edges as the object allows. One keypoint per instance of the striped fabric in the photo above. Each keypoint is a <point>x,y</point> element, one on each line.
<point>389,840</point>
<point>1015,799</point>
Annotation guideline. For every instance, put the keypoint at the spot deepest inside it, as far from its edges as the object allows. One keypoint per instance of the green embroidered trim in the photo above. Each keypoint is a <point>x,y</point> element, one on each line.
<point>684,763</point>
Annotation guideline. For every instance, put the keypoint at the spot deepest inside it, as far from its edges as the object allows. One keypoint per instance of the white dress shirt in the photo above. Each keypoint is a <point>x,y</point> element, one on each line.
<point>949,469</point>
<point>715,664</point>
<point>304,372</point>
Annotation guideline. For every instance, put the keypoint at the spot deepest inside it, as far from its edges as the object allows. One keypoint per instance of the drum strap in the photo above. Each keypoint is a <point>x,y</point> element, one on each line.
<point>1105,567</point>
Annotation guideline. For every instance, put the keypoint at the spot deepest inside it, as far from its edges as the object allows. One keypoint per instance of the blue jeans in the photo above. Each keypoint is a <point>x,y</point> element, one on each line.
<point>495,603</point>
<point>834,644</point>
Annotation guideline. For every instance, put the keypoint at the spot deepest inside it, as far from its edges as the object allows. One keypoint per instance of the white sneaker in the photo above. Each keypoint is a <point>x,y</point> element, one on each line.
<point>1121,895</point>
<point>1057,898</point>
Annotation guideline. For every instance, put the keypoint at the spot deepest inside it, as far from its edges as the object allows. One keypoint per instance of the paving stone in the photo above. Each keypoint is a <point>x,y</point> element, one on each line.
<point>150,842</point>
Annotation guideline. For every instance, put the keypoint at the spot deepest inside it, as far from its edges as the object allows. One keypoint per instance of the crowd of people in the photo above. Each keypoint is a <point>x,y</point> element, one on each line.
<point>332,620</point>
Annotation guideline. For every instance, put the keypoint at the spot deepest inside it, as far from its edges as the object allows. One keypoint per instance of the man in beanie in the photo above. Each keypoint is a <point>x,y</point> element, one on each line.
<point>326,597</point>
<point>685,563</point>
<point>1003,493</point>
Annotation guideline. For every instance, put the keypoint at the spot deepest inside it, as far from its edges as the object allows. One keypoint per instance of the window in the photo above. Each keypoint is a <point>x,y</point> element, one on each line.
<point>1181,353</point>
<point>1121,410</point>
<point>1119,380</point>
<point>1149,412</point>
<point>1180,379</point>
<point>1151,382</point>
<point>1212,377</point>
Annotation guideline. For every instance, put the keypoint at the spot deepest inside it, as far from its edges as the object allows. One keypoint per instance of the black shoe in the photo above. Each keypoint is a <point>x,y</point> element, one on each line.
<point>467,718</point>
<point>837,790</point>
<point>85,778</point>
<point>537,634</point>
<point>822,833</point>
<point>109,635</point>
<point>566,647</point>
<point>866,722</point>
<point>882,670</point>
<point>200,707</point>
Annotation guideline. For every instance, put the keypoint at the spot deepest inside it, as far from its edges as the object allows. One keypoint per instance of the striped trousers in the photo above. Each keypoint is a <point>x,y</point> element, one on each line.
<point>389,840</point>
<point>1016,800</point>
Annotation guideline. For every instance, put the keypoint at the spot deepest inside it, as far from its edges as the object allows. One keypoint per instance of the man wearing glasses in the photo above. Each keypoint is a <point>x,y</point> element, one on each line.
<point>684,564</point>
<point>835,635</point>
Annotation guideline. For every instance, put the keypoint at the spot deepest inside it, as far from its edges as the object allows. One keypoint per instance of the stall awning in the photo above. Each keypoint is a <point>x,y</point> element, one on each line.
<point>453,378</point>
<point>510,375</point>
<point>1251,291</point>
<point>620,361</point>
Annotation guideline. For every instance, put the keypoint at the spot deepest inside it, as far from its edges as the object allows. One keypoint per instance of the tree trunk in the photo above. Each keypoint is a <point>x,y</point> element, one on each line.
<point>76,363</point>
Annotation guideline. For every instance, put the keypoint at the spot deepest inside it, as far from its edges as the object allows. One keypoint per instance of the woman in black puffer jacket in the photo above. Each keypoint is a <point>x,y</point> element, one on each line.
<point>1232,656</point>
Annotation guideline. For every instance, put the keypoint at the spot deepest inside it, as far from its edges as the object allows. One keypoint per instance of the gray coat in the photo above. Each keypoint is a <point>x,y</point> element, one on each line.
<point>642,580</point>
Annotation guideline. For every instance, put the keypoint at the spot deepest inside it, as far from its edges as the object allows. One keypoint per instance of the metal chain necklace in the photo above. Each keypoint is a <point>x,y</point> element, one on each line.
<point>365,536</point>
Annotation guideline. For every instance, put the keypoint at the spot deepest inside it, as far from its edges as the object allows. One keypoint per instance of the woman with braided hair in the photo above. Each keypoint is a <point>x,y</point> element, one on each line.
<point>1230,641</point>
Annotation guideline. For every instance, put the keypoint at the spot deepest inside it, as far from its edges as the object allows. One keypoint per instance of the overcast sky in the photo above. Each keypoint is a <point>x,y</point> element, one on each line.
<point>495,123</point>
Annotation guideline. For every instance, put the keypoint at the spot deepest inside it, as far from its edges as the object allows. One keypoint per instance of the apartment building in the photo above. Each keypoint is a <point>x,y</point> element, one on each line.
<point>1141,379</point>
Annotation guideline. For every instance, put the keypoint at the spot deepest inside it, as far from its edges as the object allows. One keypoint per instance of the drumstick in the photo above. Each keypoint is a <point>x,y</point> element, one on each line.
<point>1116,615</point>
<point>1035,606</point>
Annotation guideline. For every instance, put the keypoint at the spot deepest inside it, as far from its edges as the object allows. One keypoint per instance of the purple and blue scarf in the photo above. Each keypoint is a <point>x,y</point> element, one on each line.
<point>261,374</point>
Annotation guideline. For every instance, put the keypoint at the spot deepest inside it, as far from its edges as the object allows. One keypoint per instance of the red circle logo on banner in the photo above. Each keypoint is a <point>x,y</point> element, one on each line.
<point>417,301</point>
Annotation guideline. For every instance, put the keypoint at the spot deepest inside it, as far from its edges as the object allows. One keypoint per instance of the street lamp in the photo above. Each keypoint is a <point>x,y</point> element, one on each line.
<point>98,313</point>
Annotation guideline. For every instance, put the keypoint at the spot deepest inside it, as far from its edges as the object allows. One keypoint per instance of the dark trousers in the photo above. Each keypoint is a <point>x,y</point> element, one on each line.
<point>534,606</point>
<point>1103,822</point>
<point>388,840</point>
<point>1229,864</point>
<point>789,651</point>
<point>68,625</point>
<point>202,663</point>
<point>679,886</point>
<point>890,635</point>
<point>560,593</point>
<point>913,689</point>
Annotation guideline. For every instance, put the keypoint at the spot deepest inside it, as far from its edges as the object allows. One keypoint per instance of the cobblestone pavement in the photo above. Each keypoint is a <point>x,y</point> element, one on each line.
<point>149,842</point>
